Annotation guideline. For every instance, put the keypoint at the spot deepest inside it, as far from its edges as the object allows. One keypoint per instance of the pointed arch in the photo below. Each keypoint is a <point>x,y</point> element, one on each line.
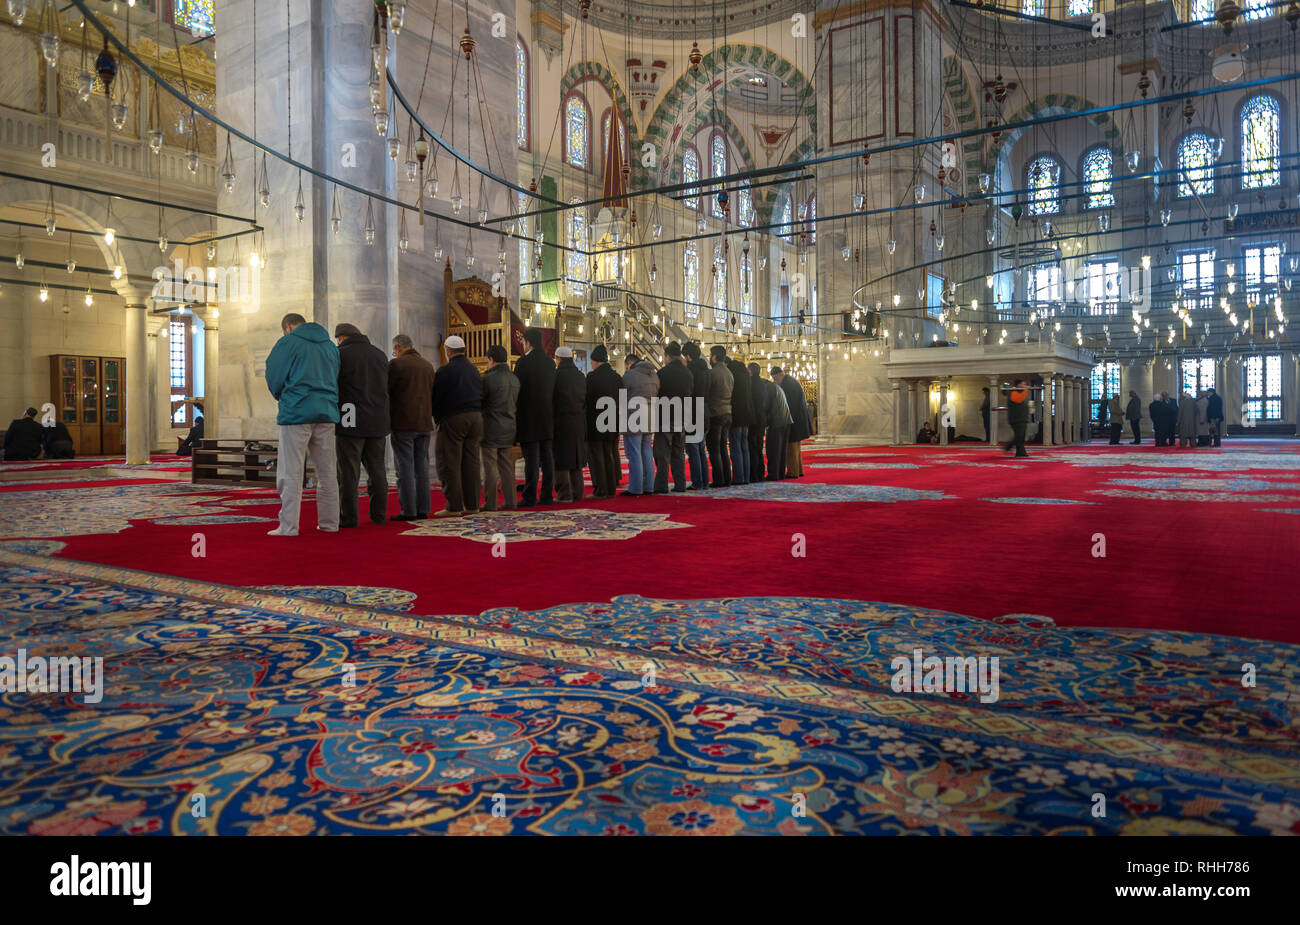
<point>594,70</point>
<point>1052,104</point>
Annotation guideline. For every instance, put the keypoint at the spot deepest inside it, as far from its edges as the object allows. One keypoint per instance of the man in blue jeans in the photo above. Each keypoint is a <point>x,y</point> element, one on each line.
<point>410,407</point>
<point>642,385</point>
<point>697,453</point>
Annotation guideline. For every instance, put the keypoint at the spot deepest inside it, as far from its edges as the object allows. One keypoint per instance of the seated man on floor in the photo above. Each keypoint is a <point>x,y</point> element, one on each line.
<point>186,447</point>
<point>58,442</point>
<point>927,434</point>
<point>23,439</point>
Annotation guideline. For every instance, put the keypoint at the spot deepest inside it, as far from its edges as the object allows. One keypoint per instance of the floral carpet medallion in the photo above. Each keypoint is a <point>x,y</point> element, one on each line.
<point>297,716</point>
<point>1213,460</point>
<point>1035,501</point>
<point>1149,494</point>
<point>105,509</point>
<point>817,493</point>
<point>1180,483</point>
<point>33,547</point>
<point>352,595</point>
<point>539,524</point>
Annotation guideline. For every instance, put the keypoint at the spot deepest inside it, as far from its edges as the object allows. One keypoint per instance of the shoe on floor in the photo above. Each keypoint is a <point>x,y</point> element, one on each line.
<point>446,513</point>
<point>276,532</point>
<point>327,529</point>
<point>468,511</point>
<point>524,502</point>
<point>402,518</point>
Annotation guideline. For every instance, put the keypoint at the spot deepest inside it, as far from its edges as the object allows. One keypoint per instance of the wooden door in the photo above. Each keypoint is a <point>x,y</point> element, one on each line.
<point>64,392</point>
<point>90,416</point>
<point>113,431</point>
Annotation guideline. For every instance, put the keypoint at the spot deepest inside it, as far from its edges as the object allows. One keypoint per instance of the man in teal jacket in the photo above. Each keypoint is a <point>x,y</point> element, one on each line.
<point>302,373</point>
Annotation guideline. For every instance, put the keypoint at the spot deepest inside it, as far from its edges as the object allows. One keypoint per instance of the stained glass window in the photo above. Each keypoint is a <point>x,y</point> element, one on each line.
<point>1033,7</point>
<point>691,173</point>
<point>1043,284</point>
<point>720,290</point>
<point>1260,120</point>
<point>1254,9</point>
<point>1196,165</point>
<point>1098,168</point>
<point>604,137</point>
<point>1262,377</point>
<point>575,261</point>
<point>1105,384</point>
<point>784,216</point>
<point>718,168</point>
<point>691,280</point>
<point>745,206</point>
<point>1079,7</point>
<point>1202,10</point>
<point>1263,271</point>
<point>521,95</point>
<point>1044,183</point>
<point>195,15</point>
<point>1196,271</point>
<point>1197,375</point>
<point>577,132</point>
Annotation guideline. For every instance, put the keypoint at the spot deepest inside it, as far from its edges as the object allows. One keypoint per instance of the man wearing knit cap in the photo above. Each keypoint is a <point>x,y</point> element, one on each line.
<point>458,412</point>
<point>363,424</point>
<point>602,448</point>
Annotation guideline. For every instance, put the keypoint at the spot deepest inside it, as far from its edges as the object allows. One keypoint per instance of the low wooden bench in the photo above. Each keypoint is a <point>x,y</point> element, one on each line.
<point>225,462</point>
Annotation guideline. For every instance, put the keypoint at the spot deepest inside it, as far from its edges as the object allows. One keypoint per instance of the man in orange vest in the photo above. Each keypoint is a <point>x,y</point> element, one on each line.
<point>1018,416</point>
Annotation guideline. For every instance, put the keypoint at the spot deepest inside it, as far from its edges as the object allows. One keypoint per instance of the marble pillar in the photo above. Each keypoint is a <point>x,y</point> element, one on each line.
<point>898,411</point>
<point>137,385</point>
<point>211,384</point>
<point>994,416</point>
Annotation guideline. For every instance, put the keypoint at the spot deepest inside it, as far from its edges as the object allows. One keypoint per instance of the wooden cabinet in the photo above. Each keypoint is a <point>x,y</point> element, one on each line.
<point>89,397</point>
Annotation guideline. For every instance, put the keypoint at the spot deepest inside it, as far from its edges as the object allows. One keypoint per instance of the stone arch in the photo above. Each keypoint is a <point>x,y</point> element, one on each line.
<point>702,118</point>
<point>595,70</point>
<point>1050,105</point>
<point>772,193</point>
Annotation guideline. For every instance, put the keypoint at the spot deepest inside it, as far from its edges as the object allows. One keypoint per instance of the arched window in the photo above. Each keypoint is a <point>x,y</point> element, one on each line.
<point>1254,9</point>
<point>691,280</point>
<point>575,261</point>
<point>717,167</point>
<point>1098,170</point>
<point>1043,181</point>
<point>719,288</point>
<point>525,243</point>
<point>745,206</point>
<point>604,135</point>
<point>1196,165</point>
<point>195,15</point>
<point>1202,10</point>
<point>577,132</point>
<point>1260,129</point>
<point>691,173</point>
<point>784,216</point>
<point>521,95</point>
<point>1079,7</point>
<point>1033,7</point>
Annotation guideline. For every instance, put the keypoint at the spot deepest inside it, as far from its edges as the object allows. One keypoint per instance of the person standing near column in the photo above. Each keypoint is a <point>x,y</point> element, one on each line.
<point>800,428</point>
<point>363,424</point>
<point>458,413</point>
<point>758,397</point>
<point>642,384</point>
<point>1133,412</point>
<point>1214,414</point>
<point>410,409</point>
<point>742,419</point>
<point>675,385</point>
<point>535,420</point>
<point>302,372</point>
<point>1116,411</point>
<point>500,404</point>
<point>570,417</point>
<point>779,422</point>
<point>697,453</point>
<point>1018,416</point>
<point>718,403</point>
<point>602,447</point>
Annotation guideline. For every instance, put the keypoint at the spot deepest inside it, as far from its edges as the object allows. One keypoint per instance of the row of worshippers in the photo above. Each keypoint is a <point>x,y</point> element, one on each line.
<point>339,402</point>
<point>27,438</point>
<point>1194,420</point>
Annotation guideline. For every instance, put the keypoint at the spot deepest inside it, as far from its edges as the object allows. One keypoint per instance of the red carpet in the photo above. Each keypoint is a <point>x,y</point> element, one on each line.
<point>1175,559</point>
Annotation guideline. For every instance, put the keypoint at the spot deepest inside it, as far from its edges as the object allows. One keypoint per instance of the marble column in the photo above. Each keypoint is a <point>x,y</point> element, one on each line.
<point>211,387</point>
<point>898,411</point>
<point>909,405</point>
<point>137,385</point>
<point>994,416</point>
<point>943,400</point>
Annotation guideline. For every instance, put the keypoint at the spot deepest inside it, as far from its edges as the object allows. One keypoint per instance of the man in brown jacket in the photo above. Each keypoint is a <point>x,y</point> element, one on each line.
<point>410,403</point>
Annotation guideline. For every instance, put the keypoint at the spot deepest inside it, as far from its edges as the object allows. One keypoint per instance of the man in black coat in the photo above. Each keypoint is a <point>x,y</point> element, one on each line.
<point>23,438</point>
<point>742,419</point>
<point>676,384</point>
<point>778,428</point>
<point>1214,414</point>
<point>1157,412</point>
<point>58,442</point>
<point>458,412</point>
<point>570,410</point>
<point>363,424</point>
<point>758,398</point>
<point>602,444</point>
<point>1133,413</point>
<point>800,428</point>
<point>696,453</point>
<point>535,419</point>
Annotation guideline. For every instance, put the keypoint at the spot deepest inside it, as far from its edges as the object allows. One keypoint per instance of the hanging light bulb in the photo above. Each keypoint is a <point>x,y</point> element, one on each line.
<point>85,85</point>
<point>90,299</point>
<point>469,260</point>
<point>396,16</point>
<point>72,264</point>
<point>336,213</point>
<point>17,10</point>
<point>438,253</point>
<point>1103,222</point>
<point>701,225</point>
<point>299,206</point>
<point>369,230</point>
<point>228,168</point>
<point>403,239</point>
<point>918,193</point>
<point>859,201</point>
<point>118,113</point>
<point>162,243</point>
<point>263,184</point>
<point>1232,212</point>
<point>212,250</point>
<point>44,291</point>
<point>1133,158</point>
<point>117,271</point>
<point>50,47</point>
<point>109,236</point>
<point>762,262</point>
<point>890,245</point>
<point>985,182</point>
<point>457,200</point>
<point>155,140</point>
<point>394,146</point>
<point>412,169</point>
<point>656,230</point>
<point>845,252</point>
<point>897,299</point>
<point>989,236</point>
<point>938,241</point>
<point>381,122</point>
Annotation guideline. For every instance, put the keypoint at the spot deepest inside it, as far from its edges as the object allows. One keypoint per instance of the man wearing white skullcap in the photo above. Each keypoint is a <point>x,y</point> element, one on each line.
<point>457,410</point>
